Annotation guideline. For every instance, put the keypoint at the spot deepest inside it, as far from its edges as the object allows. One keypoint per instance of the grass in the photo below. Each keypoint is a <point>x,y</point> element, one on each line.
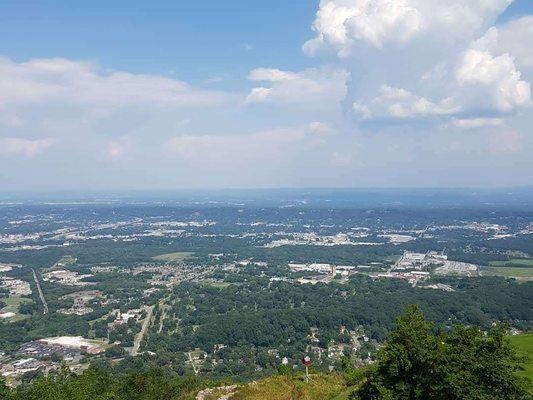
<point>320,387</point>
<point>391,258</point>
<point>13,304</point>
<point>63,263</point>
<point>216,284</point>
<point>526,262</point>
<point>173,257</point>
<point>520,273</point>
<point>524,344</point>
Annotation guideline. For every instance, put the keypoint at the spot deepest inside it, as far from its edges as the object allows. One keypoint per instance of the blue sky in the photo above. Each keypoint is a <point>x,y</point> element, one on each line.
<point>166,94</point>
<point>195,40</point>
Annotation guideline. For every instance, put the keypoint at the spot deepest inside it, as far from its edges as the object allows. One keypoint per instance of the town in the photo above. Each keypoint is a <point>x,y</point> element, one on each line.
<point>118,286</point>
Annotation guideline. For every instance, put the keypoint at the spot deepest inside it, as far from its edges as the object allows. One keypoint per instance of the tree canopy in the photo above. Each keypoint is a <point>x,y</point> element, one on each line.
<point>420,362</point>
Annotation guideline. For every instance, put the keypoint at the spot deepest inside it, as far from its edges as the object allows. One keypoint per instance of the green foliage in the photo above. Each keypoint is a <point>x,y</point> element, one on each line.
<point>97,384</point>
<point>283,370</point>
<point>524,345</point>
<point>418,363</point>
<point>4,391</point>
<point>115,351</point>
<point>353,375</point>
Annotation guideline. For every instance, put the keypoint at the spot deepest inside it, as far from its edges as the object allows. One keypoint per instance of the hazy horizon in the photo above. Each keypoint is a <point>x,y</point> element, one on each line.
<point>356,198</point>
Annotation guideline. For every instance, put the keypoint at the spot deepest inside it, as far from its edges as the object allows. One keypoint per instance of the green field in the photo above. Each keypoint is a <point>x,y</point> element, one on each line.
<point>216,284</point>
<point>510,272</point>
<point>524,343</point>
<point>173,257</point>
<point>526,262</point>
<point>519,268</point>
<point>13,304</point>
<point>63,263</point>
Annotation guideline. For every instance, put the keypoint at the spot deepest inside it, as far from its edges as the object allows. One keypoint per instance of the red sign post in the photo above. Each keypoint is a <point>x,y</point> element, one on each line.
<point>306,360</point>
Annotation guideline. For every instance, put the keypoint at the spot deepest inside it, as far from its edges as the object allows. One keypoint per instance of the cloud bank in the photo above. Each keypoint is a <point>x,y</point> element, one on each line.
<point>393,93</point>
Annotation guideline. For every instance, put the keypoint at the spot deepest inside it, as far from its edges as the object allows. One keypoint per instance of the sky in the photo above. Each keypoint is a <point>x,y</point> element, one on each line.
<point>257,94</point>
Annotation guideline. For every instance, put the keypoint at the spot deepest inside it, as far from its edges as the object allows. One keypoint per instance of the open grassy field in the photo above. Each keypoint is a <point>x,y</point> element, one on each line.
<point>320,386</point>
<point>63,263</point>
<point>524,344</point>
<point>526,262</point>
<point>13,304</point>
<point>216,284</point>
<point>173,257</point>
<point>510,272</point>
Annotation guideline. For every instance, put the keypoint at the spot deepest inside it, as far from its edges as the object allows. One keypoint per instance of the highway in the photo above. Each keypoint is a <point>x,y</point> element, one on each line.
<point>140,336</point>
<point>41,295</point>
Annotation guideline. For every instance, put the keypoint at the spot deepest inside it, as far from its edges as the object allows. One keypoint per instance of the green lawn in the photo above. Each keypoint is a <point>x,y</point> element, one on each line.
<point>178,256</point>
<point>524,343</point>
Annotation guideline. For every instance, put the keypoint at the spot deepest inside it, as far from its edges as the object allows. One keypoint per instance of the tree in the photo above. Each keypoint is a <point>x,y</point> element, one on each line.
<point>283,369</point>
<point>115,352</point>
<point>407,364</point>
<point>419,363</point>
<point>4,390</point>
<point>479,366</point>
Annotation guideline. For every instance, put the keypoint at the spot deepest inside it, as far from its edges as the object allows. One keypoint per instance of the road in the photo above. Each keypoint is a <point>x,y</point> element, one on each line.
<point>140,336</point>
<point>41,295</point>
<point>162,320</point>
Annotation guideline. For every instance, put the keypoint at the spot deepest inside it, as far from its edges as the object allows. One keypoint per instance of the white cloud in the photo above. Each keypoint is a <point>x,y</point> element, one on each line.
<point>515,38</point>
<point>64,99</point>
<point>339,23</point>
<point>268,143</point>
<point>497,74</point>
<point>82,83</point>
<point>409,66</point>
<point>271,75</point>
<point>258,95</point>
<point>323,87</point>
<point>25,147</point>
<point>432,65</point>
<point>342,23</point>
<point>362,111</point>
<point>393,102</point>
<point>475,123</point>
